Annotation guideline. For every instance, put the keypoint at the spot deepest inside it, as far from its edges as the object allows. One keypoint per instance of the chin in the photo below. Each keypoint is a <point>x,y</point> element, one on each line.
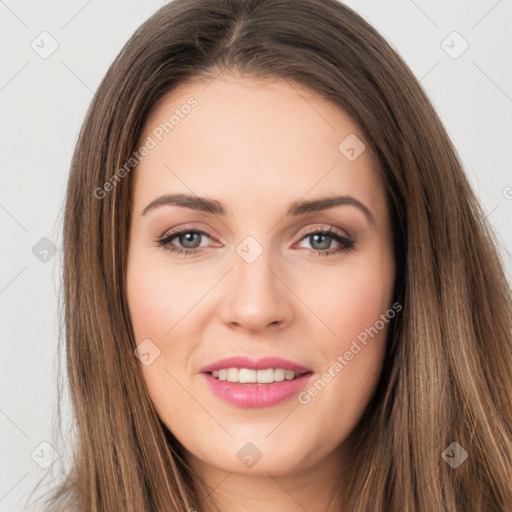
<point>258,457</point>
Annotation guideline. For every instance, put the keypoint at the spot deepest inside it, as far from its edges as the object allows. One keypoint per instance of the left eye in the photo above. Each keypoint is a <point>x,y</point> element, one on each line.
<point>323,241</point>
<point>190,241</point>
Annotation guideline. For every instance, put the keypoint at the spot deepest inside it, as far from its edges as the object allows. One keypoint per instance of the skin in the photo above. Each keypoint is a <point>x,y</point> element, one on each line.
<point>256,145</point>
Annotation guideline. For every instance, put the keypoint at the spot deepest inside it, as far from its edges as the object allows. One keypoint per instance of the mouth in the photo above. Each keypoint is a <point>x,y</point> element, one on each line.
<point>252,384</point>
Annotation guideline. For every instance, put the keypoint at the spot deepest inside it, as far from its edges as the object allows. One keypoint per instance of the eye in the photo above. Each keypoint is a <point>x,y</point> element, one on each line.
<point>321,241</point>
<point>190,239</point>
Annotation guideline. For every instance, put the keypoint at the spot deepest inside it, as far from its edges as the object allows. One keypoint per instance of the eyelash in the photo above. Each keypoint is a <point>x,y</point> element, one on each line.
<point>347,245</point>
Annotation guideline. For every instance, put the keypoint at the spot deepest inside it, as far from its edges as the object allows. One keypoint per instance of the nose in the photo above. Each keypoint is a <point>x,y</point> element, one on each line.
<point>256,296</point>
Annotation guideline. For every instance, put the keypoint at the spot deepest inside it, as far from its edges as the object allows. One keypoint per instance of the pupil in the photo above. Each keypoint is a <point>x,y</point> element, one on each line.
<point>324,245</point>
<point>187,239</point>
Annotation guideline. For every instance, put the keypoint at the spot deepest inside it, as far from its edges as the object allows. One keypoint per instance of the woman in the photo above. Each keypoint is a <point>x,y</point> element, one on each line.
<point>280,290</point>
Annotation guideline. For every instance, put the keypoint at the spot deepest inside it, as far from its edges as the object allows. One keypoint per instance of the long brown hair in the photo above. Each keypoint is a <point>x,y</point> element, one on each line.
<point>447,371</point>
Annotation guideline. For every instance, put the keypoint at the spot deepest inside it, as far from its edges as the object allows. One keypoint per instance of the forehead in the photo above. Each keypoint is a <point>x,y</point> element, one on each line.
<point>257,139</point>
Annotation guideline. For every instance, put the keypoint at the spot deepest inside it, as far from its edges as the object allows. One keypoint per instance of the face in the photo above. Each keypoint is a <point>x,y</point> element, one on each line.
<point>260,314</point>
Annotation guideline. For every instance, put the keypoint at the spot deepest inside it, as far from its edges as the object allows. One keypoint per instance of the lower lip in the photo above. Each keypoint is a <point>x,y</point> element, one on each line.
<point>256,395</point>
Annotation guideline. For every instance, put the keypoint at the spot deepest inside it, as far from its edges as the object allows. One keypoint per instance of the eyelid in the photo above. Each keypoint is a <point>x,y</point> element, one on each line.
<point>329,229</point>
<point>174,231</point>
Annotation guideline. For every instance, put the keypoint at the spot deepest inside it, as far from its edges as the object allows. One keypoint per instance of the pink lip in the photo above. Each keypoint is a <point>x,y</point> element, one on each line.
<point>256,395</point>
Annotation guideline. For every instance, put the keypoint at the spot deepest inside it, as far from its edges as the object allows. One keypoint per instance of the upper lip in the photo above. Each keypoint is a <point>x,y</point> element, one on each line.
<point>255,364</point>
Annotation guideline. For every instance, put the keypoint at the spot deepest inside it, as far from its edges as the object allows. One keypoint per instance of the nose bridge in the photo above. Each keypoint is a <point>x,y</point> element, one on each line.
<point>252,269</point>
<point>256,297</point>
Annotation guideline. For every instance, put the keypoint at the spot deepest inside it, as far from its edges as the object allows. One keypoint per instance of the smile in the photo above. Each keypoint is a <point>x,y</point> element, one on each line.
<point>249,383</point>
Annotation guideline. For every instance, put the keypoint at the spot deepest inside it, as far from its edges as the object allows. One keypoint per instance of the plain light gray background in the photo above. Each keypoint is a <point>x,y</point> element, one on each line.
<point>43,101</point>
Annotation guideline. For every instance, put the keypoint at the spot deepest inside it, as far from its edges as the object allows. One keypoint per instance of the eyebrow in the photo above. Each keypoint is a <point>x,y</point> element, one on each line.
<point>296,208</point>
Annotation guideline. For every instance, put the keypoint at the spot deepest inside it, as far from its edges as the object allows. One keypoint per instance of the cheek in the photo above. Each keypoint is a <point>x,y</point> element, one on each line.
<point>162,304</point>
<point>357,309</point>
<point>158,301</point>
<point>156,309</point>
<point>352,300</point>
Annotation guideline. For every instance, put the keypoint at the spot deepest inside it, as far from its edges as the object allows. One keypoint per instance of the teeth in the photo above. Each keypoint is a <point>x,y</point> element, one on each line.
<point>245,375</point>
<point>233,374</point>
<point>279,375</point>
<point>266,376</point>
